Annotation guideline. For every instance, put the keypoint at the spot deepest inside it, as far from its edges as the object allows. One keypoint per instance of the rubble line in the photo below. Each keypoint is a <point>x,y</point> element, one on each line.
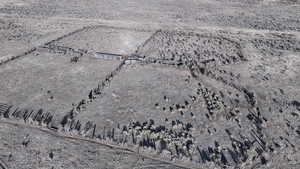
<point>111,146</point>
<point>94,93</point>
<point>53,48</point>
<point>62,49</point>
<point>110,54</point>
<point>149,39</point>
<point>7,59</point>
<point>167,62</point>
<point>70,34</point>
<point>209,73</point>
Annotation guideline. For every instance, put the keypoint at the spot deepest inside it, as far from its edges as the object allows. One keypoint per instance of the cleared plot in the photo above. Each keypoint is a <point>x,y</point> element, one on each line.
<point>51,81</point>
<point>174,96</point>
<point>106,39</point>
<point>128,98</point>
<point>23,147</point>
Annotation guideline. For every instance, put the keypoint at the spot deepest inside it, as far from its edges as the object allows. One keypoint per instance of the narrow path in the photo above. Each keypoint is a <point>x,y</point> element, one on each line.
<point>76,138</point>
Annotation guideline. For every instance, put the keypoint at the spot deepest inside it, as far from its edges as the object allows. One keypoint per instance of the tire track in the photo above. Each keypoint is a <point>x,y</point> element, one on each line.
<point>76,138</point>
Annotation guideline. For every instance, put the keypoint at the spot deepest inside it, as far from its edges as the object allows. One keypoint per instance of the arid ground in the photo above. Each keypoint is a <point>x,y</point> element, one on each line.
<point>149,84</point>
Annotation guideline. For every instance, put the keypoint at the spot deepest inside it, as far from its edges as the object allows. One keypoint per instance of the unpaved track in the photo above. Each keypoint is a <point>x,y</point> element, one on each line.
<point>79,139</point>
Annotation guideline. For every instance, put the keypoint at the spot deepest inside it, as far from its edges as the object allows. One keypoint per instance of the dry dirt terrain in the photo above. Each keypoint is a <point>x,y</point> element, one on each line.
<point>149,84</point>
